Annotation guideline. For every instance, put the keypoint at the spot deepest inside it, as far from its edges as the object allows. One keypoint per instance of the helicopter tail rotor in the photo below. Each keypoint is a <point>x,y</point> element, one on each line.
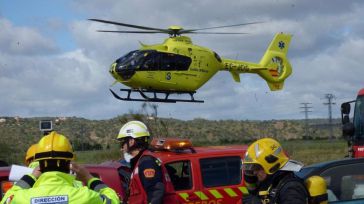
<point>276,62</point>
<point>274,67</point>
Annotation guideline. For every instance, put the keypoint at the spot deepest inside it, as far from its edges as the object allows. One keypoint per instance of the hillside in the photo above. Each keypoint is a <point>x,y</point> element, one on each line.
<point>17,134</point>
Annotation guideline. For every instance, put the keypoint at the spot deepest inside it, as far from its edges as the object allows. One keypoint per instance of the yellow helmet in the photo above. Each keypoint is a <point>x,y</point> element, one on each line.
<point>317,188</point>
<point>54,146</point>
<point>134,129</point>
<point>30,154</point>
<point>267,153</point>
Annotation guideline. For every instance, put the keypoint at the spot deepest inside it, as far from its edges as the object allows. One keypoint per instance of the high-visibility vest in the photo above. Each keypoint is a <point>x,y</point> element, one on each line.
<point>57,187</point>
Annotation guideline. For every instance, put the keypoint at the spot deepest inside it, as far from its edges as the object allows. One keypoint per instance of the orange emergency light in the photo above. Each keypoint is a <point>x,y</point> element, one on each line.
<point>5,186</point>
<point>171,144</point>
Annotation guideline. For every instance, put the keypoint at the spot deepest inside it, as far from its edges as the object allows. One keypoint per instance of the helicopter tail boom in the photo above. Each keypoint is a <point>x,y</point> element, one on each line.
<point>274,67</point>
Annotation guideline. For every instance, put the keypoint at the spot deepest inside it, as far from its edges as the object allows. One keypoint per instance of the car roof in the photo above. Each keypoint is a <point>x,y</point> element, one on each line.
<point>317,168</point>
<point>337,162</point>
<point>203,152</point>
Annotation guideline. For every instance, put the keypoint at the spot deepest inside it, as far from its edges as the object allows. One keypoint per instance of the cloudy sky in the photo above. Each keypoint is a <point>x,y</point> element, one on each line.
<point>54,63</point>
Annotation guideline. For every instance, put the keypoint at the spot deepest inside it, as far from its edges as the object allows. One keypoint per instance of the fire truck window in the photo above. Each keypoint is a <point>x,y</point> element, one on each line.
<point>222,171</point>
<point>359,119</point>
<point>180,174</point>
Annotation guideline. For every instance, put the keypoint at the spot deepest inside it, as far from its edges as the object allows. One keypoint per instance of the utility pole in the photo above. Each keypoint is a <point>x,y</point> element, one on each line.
<point>306,110</point>
<point>330,102</point>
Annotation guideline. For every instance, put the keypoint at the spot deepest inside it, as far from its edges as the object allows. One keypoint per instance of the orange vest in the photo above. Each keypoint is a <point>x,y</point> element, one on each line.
<point>137,195</point>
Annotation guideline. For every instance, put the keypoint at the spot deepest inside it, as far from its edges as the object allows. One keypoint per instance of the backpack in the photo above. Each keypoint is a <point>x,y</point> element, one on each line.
<point>315,187</point>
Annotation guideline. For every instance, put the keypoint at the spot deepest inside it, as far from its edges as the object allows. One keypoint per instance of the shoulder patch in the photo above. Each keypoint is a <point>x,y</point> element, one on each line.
<point>149,173</point>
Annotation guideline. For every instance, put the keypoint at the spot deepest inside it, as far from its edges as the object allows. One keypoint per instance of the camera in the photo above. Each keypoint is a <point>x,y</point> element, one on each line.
<point>45,125</point>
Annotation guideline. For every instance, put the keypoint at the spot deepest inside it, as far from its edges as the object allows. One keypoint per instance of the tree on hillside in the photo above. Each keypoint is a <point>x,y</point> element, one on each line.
<point>149,115</point>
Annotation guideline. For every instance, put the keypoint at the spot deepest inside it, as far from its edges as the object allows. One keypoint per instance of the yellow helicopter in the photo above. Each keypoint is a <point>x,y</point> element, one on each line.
<point>177,66</point>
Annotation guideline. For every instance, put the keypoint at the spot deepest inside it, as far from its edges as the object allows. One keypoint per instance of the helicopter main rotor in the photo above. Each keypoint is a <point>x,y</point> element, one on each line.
<point>173,31</point>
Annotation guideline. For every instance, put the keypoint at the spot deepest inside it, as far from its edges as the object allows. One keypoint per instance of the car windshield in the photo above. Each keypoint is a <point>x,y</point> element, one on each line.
<point>359,118</point>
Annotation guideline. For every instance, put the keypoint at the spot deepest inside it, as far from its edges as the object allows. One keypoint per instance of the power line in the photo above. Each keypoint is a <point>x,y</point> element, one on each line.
<point>330,98</point>
<point>306,110</point>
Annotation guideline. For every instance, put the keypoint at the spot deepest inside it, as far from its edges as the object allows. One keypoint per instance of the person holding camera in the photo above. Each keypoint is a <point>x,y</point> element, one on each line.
<point>52,182</point>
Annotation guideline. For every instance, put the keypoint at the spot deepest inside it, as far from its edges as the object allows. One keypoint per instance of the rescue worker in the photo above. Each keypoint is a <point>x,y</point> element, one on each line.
<point>52,182</point>
<point>269,175</point>
<point>147,184</point>
<point>29,157</point>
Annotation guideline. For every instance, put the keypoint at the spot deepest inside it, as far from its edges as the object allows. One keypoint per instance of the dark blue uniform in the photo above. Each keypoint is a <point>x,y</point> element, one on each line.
<point>151,177</point>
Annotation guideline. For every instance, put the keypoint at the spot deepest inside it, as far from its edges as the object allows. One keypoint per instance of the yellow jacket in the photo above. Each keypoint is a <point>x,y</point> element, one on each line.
<point>58,188</point>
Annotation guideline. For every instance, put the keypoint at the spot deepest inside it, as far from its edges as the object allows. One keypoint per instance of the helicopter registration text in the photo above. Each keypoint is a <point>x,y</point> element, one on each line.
<point>239,67</point>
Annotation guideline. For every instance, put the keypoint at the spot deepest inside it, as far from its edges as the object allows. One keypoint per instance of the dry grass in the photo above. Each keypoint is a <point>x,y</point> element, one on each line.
<point>313,151</point>
<point>306,151</point>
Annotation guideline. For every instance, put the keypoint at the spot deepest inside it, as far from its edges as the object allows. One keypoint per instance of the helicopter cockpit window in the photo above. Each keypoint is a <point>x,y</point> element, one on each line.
<point>123,58</point>
<point>154,61</point>
<point>129,61</point>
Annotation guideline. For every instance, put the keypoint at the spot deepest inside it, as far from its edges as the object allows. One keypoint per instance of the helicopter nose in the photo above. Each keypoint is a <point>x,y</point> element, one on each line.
<point>112,68</point>
<point>120,70</point>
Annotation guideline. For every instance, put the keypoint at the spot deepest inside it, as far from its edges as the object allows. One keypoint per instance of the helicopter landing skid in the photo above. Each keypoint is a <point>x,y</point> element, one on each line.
<point>155,98</point>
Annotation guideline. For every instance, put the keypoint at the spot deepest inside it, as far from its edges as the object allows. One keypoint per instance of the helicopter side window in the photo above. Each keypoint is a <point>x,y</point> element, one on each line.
<point>151,62</point>
<point>171,62</point>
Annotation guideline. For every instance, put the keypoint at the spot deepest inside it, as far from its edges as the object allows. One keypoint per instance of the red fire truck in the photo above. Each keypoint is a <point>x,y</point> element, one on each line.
<point>200,175</point>
<point>353,130</point>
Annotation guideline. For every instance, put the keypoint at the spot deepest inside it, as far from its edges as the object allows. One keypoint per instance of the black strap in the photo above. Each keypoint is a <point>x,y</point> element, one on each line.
<point>319,198</point>
<point>53,154</point>
<point>94,183</point>
<point>273,193</point>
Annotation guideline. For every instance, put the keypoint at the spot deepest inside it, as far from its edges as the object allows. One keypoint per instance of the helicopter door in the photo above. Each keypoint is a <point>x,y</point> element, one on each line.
<point>172,66</point>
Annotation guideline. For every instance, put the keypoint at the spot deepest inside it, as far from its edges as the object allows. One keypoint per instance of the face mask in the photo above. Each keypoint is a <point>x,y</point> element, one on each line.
<point>127,157</point>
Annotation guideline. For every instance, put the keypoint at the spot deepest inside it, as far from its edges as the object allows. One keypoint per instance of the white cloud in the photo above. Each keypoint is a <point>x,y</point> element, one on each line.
<point>325,53</point>
<point>23,40</point>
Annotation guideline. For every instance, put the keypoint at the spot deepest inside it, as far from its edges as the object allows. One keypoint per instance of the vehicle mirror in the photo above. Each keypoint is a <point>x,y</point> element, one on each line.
<point>348,130</point>
<point>345,108</point>
<point>346,119</point>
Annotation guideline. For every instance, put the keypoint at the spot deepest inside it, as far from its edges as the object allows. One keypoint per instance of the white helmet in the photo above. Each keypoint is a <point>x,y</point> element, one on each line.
<point>134,129</point>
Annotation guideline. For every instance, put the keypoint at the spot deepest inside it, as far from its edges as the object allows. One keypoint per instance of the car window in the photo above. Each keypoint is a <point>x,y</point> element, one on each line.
<point>346,182</point>
<point>221,171</point>
<point>180,174</point>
